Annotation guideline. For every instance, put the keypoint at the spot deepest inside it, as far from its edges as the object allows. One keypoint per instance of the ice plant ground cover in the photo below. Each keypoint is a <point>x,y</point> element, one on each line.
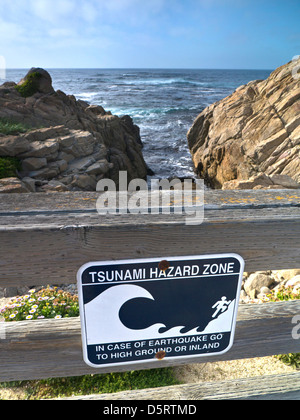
<point>47,303</point>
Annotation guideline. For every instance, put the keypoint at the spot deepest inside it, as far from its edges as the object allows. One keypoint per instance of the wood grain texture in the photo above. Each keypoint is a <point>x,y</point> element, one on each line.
<point>272,387</point>
<point>52,348</point>
<point>46,238</point>
<point>77,201</point>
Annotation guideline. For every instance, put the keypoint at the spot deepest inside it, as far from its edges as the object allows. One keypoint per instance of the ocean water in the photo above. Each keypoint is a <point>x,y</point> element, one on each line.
<point>163,103</point>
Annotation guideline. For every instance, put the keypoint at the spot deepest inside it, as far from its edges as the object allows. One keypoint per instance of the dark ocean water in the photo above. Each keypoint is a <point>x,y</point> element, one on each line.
<point>163,103</point>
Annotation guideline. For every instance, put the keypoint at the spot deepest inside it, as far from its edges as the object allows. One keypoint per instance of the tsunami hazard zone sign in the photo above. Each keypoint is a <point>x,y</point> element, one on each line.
<point>136,311</point>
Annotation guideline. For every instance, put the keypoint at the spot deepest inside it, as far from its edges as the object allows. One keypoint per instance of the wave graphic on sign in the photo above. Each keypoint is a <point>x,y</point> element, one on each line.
<point>105,325</point>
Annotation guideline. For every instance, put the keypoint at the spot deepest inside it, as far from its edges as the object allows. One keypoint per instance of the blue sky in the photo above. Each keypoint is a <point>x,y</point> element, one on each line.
<point>248,34</point>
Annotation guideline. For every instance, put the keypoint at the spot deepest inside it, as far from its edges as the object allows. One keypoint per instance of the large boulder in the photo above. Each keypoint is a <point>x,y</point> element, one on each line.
<point>254,131</point>
<point>36,80</point>
<point>77,145</point>
<point>257,281</point>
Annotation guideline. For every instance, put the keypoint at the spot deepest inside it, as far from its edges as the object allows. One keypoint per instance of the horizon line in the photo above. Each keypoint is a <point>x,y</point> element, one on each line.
<point>141,68</point>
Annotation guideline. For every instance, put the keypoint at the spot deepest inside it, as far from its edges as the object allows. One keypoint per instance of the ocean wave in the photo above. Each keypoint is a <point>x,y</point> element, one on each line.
<point>86,95</point>
<point>138,112</point>
<point>162,81</point>
<point>162,102</point>
<point>154,112</point>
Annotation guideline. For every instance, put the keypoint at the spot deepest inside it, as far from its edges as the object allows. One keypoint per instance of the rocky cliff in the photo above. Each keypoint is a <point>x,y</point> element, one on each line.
<point>70,145</point>
<point>251,139</point>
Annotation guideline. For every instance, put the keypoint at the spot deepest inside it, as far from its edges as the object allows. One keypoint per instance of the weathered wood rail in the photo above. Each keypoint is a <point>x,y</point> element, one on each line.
<point>46,238</point>
<point>271,387</point>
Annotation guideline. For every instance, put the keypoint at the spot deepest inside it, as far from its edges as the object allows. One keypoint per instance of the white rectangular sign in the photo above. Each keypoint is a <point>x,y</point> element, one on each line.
<point>136,311</point>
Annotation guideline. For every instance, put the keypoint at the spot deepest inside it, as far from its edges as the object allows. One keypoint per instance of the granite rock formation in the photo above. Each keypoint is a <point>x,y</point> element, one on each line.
<point>78,144</point>
<point>251,133</point>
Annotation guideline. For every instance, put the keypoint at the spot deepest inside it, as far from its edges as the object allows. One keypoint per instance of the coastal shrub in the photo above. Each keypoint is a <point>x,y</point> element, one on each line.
<point>286,294</point>
<point>8,127</point>
<point>30,86</point>
<point>9,167</point>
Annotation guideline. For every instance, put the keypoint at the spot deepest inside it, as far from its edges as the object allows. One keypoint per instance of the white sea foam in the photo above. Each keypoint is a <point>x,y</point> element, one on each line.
<point>86,95</point>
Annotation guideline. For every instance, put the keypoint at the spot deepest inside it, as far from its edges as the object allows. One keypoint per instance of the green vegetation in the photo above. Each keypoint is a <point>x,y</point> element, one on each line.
<point>9,167</point>
<point>9,127</point>
<point>286,294</point>
<point>55,303</point>
<point>47,303</point>
<point>291,359</point>
<point>30,86</point>
<point>93,384</point>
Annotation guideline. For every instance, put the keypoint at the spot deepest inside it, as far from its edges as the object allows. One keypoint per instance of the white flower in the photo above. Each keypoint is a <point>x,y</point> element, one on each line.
<point>58,317</point>
<point>32,311</point>
<point>12,316</point>
<point>29,317</point>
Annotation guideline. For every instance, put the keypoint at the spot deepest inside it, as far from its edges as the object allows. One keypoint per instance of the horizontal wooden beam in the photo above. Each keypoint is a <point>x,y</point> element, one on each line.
<point>46,238</point>
<point>52,348</point>
<point>270,387</point>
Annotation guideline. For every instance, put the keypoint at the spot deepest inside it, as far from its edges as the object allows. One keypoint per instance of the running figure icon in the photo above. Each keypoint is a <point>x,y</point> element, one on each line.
<point>221,306</point>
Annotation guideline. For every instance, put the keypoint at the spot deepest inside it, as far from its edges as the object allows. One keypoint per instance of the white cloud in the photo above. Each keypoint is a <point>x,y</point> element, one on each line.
<point>51,10</point>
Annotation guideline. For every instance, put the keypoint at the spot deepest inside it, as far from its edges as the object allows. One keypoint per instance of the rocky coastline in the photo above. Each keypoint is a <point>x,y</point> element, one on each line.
<point>248,140</point>
<point>70,144</point>
<point>251,140</point>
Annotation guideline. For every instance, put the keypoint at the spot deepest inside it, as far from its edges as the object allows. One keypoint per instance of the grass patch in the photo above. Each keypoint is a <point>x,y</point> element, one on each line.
<point>9,167</point>
<point>93,384</point>
<point>9,127</point>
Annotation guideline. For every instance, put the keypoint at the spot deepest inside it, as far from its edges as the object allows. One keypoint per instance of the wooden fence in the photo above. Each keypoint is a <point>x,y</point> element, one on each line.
<point>46,238</point>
